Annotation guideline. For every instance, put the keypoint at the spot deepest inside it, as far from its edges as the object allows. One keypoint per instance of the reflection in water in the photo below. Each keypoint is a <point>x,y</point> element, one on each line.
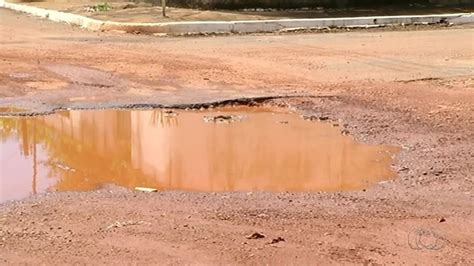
<point>83,150</point>
<point>6,109</point>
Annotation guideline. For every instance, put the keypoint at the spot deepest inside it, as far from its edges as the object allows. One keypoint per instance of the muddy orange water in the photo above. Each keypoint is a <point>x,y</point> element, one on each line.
<point>10,109</point>
<point>264,151</point>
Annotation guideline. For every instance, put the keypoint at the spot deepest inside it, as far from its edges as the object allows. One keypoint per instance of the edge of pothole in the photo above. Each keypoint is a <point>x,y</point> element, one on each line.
<point>51,109</point>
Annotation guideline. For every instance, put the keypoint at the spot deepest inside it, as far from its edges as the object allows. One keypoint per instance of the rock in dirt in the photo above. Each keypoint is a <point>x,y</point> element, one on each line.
<point>255,235</point>
<point>123,224</point>
<point>277,240</point>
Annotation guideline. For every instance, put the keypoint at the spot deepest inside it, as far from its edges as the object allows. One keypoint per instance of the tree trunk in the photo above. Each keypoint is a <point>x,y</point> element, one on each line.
<point>163,7</point>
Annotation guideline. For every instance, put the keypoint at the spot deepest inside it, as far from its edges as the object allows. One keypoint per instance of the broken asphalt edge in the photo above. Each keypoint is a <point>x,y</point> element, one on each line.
<point>251,100</point>
<point>251,26</point>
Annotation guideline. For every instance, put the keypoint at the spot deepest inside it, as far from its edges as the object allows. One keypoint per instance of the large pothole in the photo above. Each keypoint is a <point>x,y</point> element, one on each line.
<point>225,149</point>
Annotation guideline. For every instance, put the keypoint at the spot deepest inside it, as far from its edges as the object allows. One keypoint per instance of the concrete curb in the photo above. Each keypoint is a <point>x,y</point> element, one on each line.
<point>196,27</point>
<point>56,16</point>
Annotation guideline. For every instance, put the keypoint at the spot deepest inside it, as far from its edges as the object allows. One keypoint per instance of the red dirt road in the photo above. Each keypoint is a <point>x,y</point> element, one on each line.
<point>413,89</point>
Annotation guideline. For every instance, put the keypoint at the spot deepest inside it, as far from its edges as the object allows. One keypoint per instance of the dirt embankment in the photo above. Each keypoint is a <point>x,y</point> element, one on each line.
<point>411,89</point>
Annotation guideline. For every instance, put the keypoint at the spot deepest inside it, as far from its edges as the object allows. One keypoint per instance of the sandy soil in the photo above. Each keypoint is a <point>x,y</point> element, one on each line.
<point>123,11</point>
<point>413,89</point>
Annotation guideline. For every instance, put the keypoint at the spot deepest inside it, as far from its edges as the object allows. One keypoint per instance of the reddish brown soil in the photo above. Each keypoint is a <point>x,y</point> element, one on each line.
<point>413,89</point>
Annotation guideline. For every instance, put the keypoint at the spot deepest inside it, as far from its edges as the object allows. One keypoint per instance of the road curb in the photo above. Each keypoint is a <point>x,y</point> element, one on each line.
<point>253,26</point>
<point>57,16</point>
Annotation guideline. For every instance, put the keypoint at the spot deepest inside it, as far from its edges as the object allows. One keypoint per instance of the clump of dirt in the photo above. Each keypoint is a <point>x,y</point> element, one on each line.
<point>223,119</point>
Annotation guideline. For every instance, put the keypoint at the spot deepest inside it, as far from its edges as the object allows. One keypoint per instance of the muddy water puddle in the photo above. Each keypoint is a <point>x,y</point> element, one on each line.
<point>8,109</point>
<point>245,149</point>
